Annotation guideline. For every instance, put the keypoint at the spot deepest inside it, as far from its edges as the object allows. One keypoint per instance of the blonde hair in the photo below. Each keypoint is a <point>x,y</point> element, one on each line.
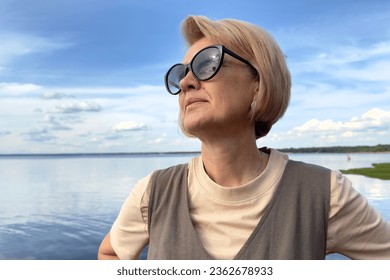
<point>272,94</point>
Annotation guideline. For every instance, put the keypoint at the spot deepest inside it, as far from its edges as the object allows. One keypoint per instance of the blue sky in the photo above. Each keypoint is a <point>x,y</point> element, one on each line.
<point>87,75</point>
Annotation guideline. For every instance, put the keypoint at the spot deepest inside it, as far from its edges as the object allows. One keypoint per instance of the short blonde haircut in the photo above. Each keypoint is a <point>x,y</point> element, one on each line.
<point>272,94</point>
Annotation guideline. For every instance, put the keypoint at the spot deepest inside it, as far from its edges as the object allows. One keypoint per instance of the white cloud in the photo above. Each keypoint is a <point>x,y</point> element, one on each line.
<point>372,127</point>
<point>129,126</point>
<point>362,63</point>
<point>54,123</point>
<point>375,71</point>
<point>140,90</point>
<point>39,135</point>
<point>54,95</point>
<point>14,89</point>
<point>375,113</point>
<point>159,140</point>
<point>348,54</point>
<point>320,96</point>
<point>374,119</point>
<point>53,118</point>
<point>76,107</point>
<point>315,125</point>
<point>4,133</point>
<point>16,45</point>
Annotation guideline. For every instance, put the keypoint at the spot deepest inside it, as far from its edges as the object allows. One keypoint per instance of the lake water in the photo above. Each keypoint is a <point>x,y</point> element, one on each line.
<point>62,207</point>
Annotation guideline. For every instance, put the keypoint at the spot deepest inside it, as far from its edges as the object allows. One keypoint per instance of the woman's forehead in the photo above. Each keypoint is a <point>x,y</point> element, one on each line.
<point>196,47</point>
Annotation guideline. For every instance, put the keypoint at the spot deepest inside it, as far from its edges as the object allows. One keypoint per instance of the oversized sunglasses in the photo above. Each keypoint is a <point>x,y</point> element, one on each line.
<point>204,65</point>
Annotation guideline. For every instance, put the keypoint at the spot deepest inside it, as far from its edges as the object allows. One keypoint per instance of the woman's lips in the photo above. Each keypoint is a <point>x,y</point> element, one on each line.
<point>191,101</point>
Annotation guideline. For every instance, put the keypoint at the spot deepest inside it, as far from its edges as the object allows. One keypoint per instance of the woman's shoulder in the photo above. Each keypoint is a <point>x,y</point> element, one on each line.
<point>171,170</point>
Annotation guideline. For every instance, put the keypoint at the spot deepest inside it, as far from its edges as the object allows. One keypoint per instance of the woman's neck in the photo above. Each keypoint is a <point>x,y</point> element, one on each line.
<point>233,162</point>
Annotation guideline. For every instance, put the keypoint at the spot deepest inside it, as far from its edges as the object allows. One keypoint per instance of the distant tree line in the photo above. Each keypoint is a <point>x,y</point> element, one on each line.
<point>340,149</point>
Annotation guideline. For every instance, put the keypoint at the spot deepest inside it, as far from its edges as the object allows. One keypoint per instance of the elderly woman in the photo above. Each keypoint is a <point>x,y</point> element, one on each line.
<point>236,201</point>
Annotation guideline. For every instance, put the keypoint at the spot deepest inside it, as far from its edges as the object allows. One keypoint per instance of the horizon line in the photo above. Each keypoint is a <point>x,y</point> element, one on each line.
<point>165,152</point>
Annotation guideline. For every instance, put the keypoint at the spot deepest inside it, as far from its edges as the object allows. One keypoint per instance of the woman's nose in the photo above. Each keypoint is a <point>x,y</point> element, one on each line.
<point>189,82</point>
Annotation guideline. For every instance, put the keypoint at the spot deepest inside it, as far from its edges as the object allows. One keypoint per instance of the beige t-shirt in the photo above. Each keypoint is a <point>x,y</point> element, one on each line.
<point>224,217</point>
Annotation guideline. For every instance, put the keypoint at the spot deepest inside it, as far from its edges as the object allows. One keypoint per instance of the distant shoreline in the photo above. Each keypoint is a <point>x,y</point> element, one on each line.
<point>311,150</point>
<point>340,149</point>
<point>139,154</point>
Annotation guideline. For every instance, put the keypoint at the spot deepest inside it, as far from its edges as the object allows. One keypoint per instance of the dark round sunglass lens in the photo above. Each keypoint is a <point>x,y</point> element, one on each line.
<point>206,63</point>
<point>173,78</point>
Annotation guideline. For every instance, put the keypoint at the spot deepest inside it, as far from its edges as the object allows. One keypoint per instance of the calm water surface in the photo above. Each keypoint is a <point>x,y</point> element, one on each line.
<point>62,207</point>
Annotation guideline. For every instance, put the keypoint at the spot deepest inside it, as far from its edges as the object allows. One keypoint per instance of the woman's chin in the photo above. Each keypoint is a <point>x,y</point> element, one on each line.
<point>194,127</point>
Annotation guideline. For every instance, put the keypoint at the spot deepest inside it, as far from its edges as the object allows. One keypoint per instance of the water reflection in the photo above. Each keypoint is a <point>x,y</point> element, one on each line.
<point>371,188</point>
<point>340,161</point>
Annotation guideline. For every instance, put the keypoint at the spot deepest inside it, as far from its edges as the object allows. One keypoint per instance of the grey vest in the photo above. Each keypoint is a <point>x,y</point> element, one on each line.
<point>294,225</point>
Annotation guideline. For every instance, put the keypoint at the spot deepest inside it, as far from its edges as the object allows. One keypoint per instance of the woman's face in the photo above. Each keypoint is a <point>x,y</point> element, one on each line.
<point>219,106</point>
